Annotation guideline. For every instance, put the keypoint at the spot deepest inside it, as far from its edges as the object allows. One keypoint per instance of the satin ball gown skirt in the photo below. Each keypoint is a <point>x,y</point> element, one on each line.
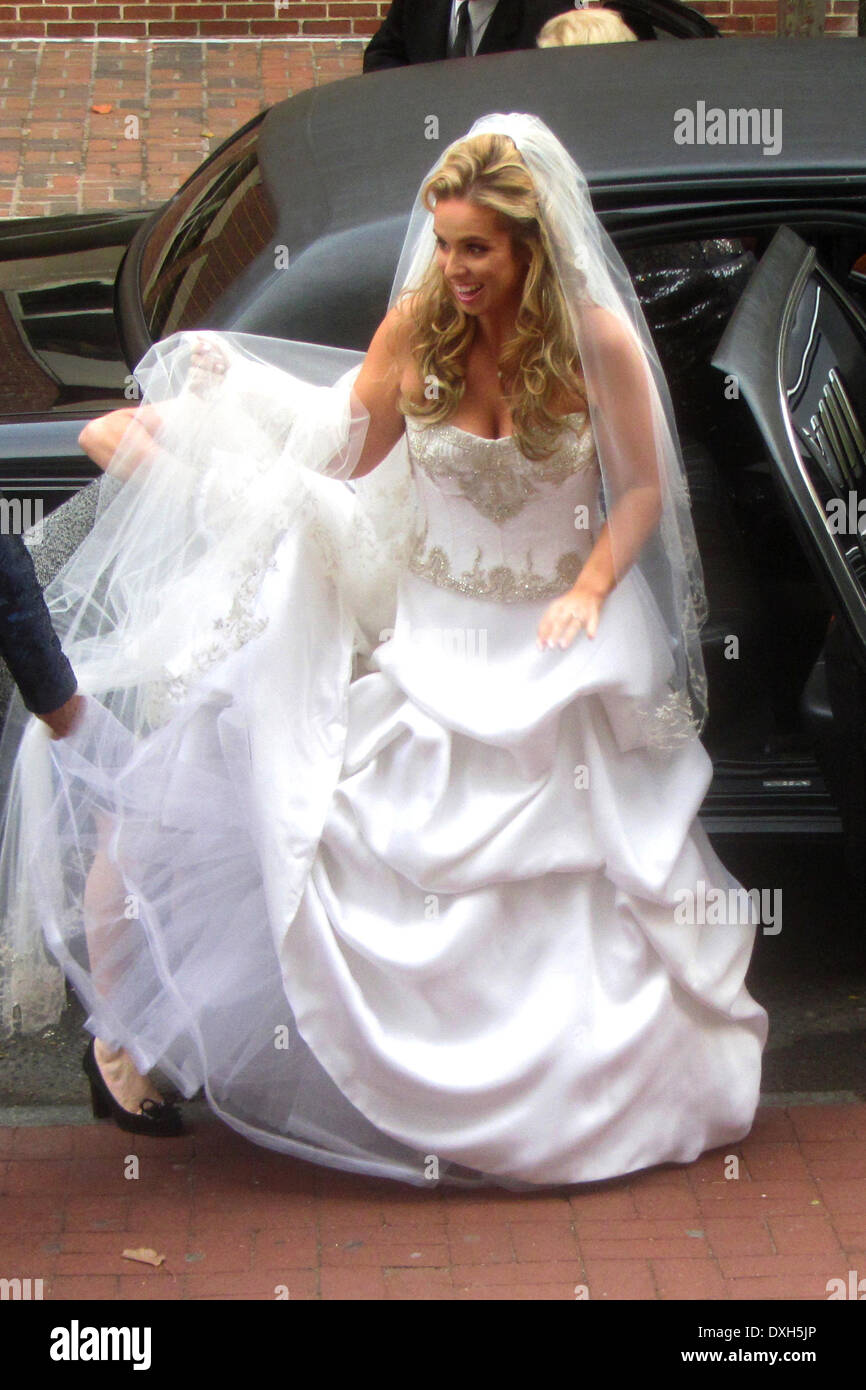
<point>421,923</point>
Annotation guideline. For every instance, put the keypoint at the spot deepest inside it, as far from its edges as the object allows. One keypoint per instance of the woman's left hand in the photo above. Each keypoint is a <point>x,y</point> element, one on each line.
<point>577,610</point>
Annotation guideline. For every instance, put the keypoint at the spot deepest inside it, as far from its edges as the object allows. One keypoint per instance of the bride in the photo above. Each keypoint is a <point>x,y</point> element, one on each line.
<point>381,814</point>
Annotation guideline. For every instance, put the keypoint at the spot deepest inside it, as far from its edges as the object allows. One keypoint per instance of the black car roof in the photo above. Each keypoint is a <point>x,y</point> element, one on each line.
<point>340,154</point>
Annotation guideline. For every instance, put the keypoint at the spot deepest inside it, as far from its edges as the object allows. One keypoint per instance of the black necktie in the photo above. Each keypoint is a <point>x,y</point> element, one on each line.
<point>460,47</point>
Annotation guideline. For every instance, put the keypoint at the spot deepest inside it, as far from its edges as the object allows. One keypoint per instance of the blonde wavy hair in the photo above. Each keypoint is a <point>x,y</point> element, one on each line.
<point>540,361</point>
<point>584,26</point>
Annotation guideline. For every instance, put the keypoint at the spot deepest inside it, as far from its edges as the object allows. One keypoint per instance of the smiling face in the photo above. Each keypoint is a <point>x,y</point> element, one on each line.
<point>477,258</point>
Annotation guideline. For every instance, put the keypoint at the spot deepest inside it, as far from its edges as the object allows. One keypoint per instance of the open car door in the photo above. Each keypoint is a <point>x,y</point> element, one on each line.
<point>662,19</point>
<point>796,348</point>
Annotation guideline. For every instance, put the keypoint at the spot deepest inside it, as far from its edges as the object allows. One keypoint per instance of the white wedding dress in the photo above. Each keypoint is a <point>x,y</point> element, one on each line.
<point>437,935</point>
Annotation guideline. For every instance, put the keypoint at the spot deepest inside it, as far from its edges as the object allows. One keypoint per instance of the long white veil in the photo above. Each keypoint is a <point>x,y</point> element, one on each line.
<point>249,485</point>
<point>167,585</point>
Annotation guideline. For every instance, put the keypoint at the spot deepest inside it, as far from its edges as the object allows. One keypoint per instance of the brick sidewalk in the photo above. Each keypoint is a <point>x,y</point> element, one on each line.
<point>171,104</point>
<point>235,1221</point>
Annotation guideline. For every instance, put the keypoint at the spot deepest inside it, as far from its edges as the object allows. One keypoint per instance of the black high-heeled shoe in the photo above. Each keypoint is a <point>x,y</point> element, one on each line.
<point>157,1117</point>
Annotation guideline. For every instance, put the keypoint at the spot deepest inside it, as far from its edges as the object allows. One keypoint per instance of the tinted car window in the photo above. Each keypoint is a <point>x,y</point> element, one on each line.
<point>213,229</point>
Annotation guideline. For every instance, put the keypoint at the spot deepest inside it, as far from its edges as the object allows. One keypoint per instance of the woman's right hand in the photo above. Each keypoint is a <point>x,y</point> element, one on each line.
<point>135,425</point>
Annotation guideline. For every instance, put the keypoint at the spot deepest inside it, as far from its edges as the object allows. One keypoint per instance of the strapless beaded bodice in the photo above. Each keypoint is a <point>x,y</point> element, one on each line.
<point>497,524</point>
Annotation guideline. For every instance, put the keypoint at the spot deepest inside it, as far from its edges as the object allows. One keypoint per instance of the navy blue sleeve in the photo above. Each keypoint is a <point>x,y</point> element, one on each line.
<point>28,643</point>
<point>387,48</point>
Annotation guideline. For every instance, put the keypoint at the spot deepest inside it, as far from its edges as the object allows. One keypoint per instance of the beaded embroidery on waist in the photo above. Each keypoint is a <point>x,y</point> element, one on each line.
<point>498,482</point>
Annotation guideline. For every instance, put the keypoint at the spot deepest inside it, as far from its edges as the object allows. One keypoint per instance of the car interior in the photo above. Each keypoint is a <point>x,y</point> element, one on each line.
<point>777,720</point>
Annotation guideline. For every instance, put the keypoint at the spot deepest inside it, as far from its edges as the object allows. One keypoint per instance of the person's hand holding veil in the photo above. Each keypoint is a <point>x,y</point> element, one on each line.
<point>136,428</point>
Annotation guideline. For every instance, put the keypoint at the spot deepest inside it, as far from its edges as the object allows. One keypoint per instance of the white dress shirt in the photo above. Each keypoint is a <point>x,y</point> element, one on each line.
<point>479,17</point>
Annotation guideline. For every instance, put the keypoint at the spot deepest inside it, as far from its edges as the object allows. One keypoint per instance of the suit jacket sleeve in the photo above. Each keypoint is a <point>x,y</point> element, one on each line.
<point>28,643</point>
<point>387,47</point>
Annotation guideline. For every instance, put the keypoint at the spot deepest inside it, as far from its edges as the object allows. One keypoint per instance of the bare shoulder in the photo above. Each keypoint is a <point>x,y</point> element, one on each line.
<point>388,362</point>
<point>611,336</point>
<point>398,326</point>
<point>380,381</point>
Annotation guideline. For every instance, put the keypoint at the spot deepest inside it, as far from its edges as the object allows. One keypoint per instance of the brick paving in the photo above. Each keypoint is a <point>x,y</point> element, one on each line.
<point>235,1221</point>
<point>171,104</point>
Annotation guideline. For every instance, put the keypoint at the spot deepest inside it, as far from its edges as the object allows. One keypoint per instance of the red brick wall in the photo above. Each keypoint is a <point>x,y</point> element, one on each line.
<point>73,19</point>
<point>86,19</point>
<point>761,16</point>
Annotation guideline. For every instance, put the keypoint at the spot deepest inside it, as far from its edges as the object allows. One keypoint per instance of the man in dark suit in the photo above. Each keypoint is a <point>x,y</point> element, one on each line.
<point>29,645</point>
<point>421,31</point>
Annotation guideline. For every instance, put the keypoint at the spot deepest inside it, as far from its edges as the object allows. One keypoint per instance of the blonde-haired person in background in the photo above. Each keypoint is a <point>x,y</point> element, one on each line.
<point>596,25</point>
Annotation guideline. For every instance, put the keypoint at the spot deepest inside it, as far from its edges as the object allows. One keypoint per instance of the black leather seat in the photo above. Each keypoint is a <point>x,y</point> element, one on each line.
<point>737,683</point>
<point>688,291</point>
